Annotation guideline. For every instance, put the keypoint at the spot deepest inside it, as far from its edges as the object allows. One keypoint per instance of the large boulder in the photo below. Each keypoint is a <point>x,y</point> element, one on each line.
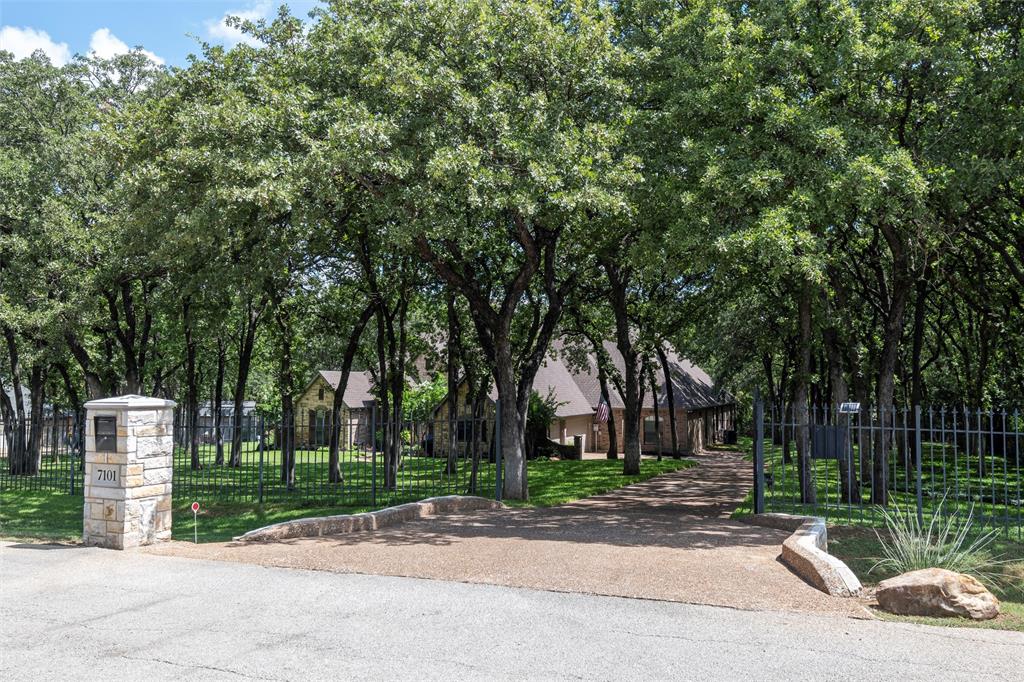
<point>937,592</point>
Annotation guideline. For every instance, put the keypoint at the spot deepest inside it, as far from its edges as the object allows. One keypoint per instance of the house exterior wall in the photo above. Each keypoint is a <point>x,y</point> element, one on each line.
<point>482,429</point>
<point>562,430</point>
<point>313,415</point>
<point>693,431</point>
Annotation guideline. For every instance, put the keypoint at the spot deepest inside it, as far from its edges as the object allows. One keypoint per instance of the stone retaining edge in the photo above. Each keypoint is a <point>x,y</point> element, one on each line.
<point>806,553</point>
<point>351,523</point>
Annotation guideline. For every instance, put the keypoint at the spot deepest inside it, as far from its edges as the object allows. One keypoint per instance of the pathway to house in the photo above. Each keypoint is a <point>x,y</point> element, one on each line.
<point>667,538</point>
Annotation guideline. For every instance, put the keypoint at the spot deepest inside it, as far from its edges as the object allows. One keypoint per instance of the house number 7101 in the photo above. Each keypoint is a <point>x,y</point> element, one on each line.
<point>106,474</point>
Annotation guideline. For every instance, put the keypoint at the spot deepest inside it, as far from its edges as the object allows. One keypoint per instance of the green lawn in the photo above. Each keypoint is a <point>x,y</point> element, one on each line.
<point>260,473</point>
<point>990,486</point>
<point>52,515</point>
<point>860,549</point>
<point>558,482</point>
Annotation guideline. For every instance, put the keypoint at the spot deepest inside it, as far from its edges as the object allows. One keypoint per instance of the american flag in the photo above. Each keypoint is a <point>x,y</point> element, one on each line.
<point>602,410</point>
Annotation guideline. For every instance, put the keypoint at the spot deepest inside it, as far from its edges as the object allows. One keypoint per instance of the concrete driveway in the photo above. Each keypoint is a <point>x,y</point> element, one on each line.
<point>92,614</point>
<point>668,538</point>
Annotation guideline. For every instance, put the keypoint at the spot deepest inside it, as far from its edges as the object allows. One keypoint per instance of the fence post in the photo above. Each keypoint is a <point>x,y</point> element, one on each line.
<point>76,424</point>
<point>263,432</point>
<point>373,456</point>
<point>917,457</point>
<point>497,450</point>
<point>758,453</point>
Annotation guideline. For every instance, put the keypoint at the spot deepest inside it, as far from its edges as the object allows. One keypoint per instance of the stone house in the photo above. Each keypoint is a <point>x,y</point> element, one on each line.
<point>703,412</point>
<point>313,410</point>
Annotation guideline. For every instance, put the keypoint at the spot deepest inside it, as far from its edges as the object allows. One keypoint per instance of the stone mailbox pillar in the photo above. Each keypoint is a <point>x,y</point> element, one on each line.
<point>129,447</point>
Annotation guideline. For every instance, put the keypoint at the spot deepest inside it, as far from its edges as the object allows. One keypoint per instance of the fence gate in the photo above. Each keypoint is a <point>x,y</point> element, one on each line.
<point>847,462</point>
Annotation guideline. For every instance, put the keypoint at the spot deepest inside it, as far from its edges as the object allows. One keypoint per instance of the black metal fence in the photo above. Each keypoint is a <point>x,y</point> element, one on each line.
<point>361,461</point>
<point>847,463</point>
<point>41,454</point>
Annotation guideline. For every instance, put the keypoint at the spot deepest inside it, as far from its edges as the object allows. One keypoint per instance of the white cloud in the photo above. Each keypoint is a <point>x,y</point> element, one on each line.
<point>105,45</point>
<point>219,31</point>
<point>22,42</point>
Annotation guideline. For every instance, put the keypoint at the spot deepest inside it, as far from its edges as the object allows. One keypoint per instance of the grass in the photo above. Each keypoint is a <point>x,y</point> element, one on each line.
<point>860,549</point>
<point>558,482</point>
<point>947,475</point>
<point>418,477</point>
<point>56,516</point>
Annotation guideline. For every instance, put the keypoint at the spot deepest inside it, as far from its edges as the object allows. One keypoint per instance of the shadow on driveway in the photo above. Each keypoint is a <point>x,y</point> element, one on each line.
<point>666,538</point>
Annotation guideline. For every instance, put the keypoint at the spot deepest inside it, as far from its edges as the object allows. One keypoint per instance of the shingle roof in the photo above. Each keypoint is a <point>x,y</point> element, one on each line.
<point>692,387</point>
<point>357,390</point>
<point>554,377</point>
<point>578,391</point>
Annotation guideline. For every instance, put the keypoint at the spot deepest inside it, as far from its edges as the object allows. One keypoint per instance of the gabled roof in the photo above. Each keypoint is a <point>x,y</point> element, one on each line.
<point>692,388</point>
<point>555,378</point>
<point>358,389</point>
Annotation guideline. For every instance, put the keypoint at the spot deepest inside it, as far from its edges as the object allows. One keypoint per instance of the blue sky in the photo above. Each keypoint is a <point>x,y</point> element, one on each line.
<point>167,29</point>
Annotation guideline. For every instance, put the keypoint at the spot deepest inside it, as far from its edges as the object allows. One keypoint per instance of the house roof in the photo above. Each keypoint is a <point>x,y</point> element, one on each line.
<point>692,388</point>
<point>555,378</point>
<point>577,390</point>
<point>357,389</point>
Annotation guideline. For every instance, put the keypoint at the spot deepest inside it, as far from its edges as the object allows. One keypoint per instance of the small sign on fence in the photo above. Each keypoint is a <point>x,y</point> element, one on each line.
<point>849,408</point>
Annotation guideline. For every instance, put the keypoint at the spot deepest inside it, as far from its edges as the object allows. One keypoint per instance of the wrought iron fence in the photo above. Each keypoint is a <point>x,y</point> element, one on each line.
<point>303,460</point>
<point>41,454</point>
<point>847,463</point>
<point>360,461</point>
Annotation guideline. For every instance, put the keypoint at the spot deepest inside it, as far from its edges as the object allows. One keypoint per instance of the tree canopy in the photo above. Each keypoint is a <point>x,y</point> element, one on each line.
<point>822,199</point>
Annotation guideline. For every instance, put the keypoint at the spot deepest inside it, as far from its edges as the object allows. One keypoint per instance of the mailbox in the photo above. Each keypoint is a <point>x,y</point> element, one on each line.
<point>829,442</point>
<point>106,434</point>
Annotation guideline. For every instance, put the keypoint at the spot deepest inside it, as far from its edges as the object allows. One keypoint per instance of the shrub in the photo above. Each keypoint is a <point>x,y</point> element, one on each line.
<point>943,543</point>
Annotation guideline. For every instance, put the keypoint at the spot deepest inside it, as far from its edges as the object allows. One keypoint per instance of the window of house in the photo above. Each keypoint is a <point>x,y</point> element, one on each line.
<point>321,393</point>
<point>650,433</point>
<point>464,430</point>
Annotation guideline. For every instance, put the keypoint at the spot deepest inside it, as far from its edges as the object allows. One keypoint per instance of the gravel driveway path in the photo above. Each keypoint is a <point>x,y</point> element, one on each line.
<point>667,538</point>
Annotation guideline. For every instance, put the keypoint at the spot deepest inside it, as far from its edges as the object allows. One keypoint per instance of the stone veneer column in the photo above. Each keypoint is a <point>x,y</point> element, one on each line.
<point>128,491</point>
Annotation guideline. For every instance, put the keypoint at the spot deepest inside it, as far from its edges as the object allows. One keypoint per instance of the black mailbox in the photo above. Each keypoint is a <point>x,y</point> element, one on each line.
<point>106,434</point>
<point>829,442</point>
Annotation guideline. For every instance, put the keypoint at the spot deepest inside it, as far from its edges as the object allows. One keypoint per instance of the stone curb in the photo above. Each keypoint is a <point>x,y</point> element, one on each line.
<point>351,523</point>
<point>806,553</point>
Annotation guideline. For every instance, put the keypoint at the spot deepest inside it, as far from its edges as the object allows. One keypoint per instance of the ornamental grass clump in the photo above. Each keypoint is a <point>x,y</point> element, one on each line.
<point>942,543</point>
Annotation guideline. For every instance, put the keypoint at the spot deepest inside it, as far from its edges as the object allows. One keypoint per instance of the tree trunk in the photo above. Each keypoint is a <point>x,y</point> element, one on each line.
<point>613,441</point>
<point>338,402</point>
<point>801,415</point>
<point>670,395</point>
<point>247,341</point>
<point>618,282</point>
<point>513,429</point>
<point>36,387</point>
<point>191,390</point>
<point>493,322</point>
<point>654,401</point>
<point>849,480</point>
<point>454,343</point>
<point>382,398</point>
<point>286,382</point>
<point>19,462</point>
<point>892,333</point>
<point>218,401</point>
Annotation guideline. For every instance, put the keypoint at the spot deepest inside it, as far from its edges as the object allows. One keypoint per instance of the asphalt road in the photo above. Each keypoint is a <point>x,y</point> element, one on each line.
<point>76,613</point>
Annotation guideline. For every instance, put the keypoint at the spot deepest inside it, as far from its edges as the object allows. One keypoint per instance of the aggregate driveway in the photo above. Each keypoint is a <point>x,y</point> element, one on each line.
<point>667,538</point>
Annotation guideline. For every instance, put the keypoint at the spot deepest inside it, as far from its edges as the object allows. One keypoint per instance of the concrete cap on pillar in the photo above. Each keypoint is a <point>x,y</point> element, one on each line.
<point>129,402</point>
